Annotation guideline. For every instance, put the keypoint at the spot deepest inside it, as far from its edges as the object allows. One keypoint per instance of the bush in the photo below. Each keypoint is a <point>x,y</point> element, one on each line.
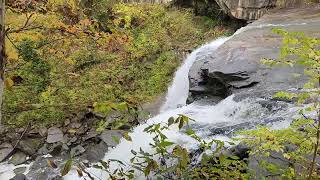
<point>71,56</point>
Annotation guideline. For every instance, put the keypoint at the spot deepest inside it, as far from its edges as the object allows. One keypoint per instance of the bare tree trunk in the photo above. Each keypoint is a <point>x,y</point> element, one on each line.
<point>2,54</point>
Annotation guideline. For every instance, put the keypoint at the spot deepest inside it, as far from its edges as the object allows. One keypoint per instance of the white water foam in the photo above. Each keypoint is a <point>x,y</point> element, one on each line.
<point>6,170</point>
<point>176,96</point>
<point>227,111</point>
<point>178,91</point>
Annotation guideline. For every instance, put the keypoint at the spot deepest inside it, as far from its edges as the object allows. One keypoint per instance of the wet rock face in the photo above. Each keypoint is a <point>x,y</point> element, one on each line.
<point>19,177</point>
<point>18,158</point>
<point>5,150</point>
<point>246,9</point>
<point>235,67</point>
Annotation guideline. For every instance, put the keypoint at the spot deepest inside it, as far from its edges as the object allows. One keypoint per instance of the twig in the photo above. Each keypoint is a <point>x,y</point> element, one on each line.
<point>10,40</point>
<point>25,26</point>
<point>315,152</point>
<point>23,29</point>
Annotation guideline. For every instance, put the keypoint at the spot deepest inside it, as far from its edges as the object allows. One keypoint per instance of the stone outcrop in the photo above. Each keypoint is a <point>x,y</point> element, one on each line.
<point>246,9</point>
<point>254,9</point>
<point>235,67</point>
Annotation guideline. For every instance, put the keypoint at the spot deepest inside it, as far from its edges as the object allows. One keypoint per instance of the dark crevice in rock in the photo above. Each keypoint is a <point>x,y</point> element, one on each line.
<point>246,86</point>
<point>237,76</point>
<point>218,85</point>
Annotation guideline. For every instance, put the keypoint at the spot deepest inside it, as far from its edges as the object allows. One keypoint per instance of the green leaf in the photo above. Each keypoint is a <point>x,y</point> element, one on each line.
<point>148,128</point>
<point>66,168</point>
<point>285,95</point>
<point>166,143</point>
<point>190,132</point>
<point>185,119</point>
<point>309,85</point>
<point>97,166</point>
<point>234,157</point>
<point>116,139</point>
<point>170,121</point>
<point>133,152</point>
<point>177,120</point>
<point>104,164</point>
<point>121,106</point>
<point>181,123</point>
<point>127,137</point>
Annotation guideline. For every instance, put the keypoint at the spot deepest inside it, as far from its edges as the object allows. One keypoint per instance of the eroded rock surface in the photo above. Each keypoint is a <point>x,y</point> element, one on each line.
<point>254,9</point>
<point>246,9</point>
<point>236,67</point>
<point>5,150</point>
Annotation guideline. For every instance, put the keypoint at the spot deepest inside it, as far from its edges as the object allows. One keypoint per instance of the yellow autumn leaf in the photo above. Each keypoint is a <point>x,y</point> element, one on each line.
<point>51,164</point>
<point>8,83</point>
<point>287,156</point>
<point>85,22</point>
<point>72,131</point>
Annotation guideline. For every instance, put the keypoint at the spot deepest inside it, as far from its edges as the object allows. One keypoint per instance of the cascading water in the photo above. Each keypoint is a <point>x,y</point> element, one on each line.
<point>176,96</point>
<point>207,116</point>
<point>178,91</point>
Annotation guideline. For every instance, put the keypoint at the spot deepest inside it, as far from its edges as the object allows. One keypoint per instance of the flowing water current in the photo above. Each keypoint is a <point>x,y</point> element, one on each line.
<point>208,117</point>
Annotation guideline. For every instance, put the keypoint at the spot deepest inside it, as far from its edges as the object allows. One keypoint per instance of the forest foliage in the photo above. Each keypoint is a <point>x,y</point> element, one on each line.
<point>65,56</point>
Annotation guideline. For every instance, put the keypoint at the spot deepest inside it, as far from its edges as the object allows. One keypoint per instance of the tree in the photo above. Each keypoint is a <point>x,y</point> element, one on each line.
<point>304,132</point>
<point>2,51</point>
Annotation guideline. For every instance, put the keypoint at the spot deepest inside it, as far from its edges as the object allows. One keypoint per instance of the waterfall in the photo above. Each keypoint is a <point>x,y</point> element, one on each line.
<point>227,112</point>
<point>179,89</point>
<point>175,104</point>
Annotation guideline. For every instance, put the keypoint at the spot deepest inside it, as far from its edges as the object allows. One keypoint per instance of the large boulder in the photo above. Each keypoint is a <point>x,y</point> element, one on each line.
<point>236,65</point>
<point>246,9</point>
<point>254,9</point>
<point>30,145</point>
<point>54,135</point>
<point>110,137</point>
<point>18,158</point>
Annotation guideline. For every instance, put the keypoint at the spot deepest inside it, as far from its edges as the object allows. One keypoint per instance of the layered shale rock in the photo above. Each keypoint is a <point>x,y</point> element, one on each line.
<point>235,67</point>
<point>246,9</point>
